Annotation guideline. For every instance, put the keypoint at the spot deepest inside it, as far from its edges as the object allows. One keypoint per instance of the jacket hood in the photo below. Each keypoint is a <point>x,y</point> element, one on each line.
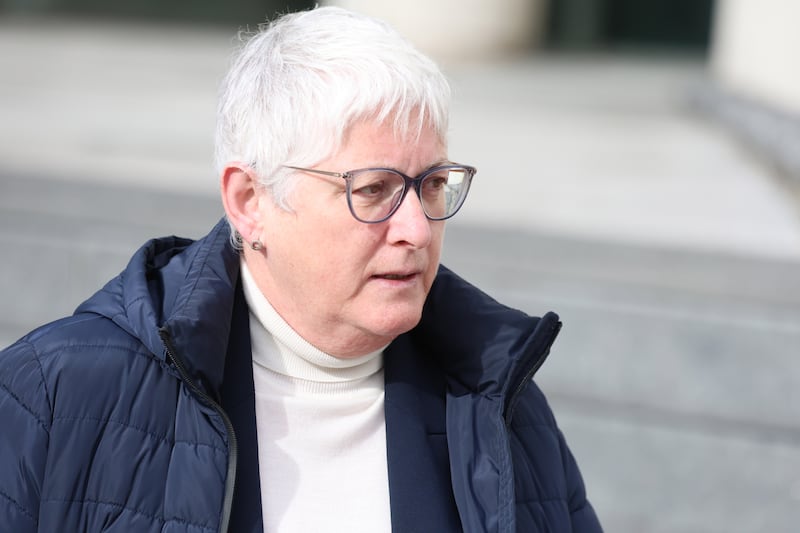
<point>183,287</point>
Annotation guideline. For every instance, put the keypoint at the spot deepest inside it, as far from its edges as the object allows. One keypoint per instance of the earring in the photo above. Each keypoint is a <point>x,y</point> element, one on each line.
<point>256,246</point>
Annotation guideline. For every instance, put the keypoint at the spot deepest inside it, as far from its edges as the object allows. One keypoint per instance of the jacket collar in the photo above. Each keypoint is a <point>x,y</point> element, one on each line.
<point>484,347</point>
<point>451,383</point>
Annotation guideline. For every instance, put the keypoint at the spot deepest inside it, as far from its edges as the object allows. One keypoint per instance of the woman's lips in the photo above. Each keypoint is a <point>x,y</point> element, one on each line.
<point>396,276</point>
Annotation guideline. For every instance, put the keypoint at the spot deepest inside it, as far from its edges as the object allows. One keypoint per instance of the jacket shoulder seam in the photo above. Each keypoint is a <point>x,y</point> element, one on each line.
<point>19,506</point>
<point>21,403</point>
<point>41,375</point>
<point>24,406</point>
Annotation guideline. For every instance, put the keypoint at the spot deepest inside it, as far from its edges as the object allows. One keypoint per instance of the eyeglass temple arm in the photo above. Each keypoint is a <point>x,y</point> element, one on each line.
<point>315,171</point>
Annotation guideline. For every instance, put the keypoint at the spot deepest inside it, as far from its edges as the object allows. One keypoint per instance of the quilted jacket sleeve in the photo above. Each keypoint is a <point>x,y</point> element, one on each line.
<point>24,434</point>
<point>584,518</point>
<point>550,492</point>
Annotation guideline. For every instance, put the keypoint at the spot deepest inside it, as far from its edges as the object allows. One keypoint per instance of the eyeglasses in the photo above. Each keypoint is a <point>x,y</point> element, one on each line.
<point>375,194</point>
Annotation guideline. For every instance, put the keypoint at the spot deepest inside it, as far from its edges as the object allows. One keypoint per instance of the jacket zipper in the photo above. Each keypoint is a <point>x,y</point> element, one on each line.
<point>204,397</point>
<point>520,385</point>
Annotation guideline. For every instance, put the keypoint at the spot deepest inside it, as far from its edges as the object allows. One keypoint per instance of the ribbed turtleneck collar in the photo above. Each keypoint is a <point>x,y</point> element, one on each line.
<point>278,347</point>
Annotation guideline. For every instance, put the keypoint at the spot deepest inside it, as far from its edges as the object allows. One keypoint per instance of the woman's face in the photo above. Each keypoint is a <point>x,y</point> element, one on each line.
<point>348,287</point>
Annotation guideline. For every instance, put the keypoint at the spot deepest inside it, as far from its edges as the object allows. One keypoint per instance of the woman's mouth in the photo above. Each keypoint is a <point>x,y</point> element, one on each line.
<point>396,276</point>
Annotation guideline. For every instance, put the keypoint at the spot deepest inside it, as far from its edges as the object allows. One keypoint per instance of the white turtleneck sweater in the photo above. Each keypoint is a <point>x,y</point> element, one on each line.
<point>321,430</point>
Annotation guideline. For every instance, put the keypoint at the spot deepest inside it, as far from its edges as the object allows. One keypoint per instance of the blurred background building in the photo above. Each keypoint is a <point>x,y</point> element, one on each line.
<point>751,46</point>
<point>638,173</point>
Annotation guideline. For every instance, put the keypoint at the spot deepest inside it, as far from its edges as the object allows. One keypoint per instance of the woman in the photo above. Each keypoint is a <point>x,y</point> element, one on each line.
<point>307,365</point>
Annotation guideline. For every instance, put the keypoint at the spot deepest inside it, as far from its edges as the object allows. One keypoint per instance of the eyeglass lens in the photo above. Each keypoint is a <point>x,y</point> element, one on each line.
<point>374,194</point>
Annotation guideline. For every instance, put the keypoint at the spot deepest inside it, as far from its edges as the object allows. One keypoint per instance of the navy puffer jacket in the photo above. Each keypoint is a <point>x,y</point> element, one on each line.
<point>136,414</point>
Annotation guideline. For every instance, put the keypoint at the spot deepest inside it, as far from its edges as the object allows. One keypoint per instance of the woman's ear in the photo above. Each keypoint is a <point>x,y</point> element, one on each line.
<point>240,191</point>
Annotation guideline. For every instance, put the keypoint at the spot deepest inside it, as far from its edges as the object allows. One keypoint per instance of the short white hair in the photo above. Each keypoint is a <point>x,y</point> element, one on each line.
<point>299,83</point>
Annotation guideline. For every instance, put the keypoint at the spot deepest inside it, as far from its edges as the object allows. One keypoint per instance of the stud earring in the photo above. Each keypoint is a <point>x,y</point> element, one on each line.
<point>256,246</point>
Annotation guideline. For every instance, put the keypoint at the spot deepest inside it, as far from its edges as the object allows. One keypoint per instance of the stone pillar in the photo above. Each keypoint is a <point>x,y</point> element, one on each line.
<point>755,50</point>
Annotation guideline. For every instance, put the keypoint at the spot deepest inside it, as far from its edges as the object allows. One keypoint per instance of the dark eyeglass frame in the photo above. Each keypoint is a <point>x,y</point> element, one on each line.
<point>408,183</point>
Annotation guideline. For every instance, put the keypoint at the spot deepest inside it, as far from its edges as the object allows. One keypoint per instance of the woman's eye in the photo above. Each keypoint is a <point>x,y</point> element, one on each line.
<point>373,189</point>
<point>435,183</point>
